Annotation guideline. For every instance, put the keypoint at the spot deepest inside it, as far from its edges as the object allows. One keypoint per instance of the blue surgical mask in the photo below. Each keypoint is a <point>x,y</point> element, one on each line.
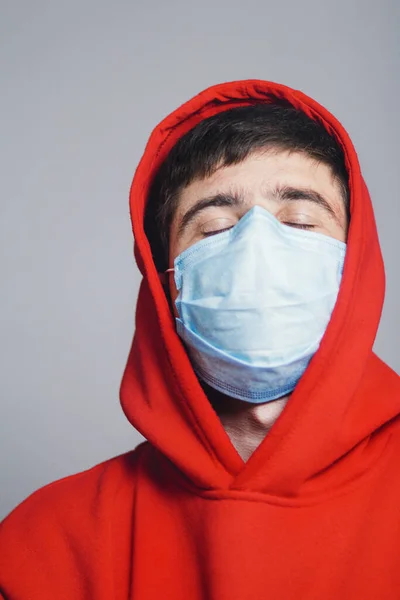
<point>254,303</point>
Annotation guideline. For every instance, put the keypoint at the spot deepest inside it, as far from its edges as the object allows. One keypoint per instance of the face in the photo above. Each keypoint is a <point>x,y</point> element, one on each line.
<point>293,187</point>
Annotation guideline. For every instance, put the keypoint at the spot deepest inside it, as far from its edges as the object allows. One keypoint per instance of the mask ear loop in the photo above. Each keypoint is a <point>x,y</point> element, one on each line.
<point>164,277</point>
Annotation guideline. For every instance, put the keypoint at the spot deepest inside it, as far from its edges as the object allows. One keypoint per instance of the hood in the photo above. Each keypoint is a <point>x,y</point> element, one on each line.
<point>336,423</point>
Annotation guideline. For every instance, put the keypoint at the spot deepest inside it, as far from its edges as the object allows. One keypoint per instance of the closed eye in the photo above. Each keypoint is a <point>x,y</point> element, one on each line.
<point>217,225</point>
<point>299,225</point>
<point>216,231</point>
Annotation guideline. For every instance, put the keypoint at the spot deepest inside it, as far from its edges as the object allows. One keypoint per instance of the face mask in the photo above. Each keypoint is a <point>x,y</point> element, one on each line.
<point>254,303</point>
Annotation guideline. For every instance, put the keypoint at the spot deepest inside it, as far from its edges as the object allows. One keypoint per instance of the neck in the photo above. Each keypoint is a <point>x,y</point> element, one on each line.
<point>245,423</point>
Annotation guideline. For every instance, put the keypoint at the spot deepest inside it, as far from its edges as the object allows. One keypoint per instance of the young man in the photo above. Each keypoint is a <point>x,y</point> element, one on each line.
<point>271,466</point>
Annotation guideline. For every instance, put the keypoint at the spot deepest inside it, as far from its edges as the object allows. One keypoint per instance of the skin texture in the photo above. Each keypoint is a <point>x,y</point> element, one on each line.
<point>255,182</point>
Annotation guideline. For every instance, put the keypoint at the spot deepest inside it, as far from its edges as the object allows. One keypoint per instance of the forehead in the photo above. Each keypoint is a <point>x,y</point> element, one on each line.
<point>262,170</point>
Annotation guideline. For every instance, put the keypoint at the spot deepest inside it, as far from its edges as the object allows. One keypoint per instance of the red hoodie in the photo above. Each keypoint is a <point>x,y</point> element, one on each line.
<point>313,514</point>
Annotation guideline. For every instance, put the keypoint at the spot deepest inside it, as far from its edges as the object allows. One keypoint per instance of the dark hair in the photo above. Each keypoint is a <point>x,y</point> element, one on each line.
<point>228,138</point>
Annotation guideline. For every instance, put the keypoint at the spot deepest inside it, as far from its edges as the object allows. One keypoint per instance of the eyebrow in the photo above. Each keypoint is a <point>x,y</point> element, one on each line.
<point>282,193</point>
<point>286,192</point>
<point>233,199</point>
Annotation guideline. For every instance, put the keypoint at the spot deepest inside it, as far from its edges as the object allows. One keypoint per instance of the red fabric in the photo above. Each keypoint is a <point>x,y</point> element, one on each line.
<point>313,514</point>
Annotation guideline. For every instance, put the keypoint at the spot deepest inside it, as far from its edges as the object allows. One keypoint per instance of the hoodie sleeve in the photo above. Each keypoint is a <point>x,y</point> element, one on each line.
<point>60,542</point>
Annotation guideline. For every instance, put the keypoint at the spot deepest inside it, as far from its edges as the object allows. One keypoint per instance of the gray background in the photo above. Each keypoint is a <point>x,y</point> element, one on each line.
<point>83,84</point>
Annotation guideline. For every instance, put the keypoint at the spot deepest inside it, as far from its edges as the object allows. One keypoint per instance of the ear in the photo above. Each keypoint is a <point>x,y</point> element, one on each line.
<point>164,279</point>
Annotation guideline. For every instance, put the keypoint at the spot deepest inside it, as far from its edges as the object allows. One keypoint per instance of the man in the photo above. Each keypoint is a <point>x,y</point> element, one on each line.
<point>271,466</point>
